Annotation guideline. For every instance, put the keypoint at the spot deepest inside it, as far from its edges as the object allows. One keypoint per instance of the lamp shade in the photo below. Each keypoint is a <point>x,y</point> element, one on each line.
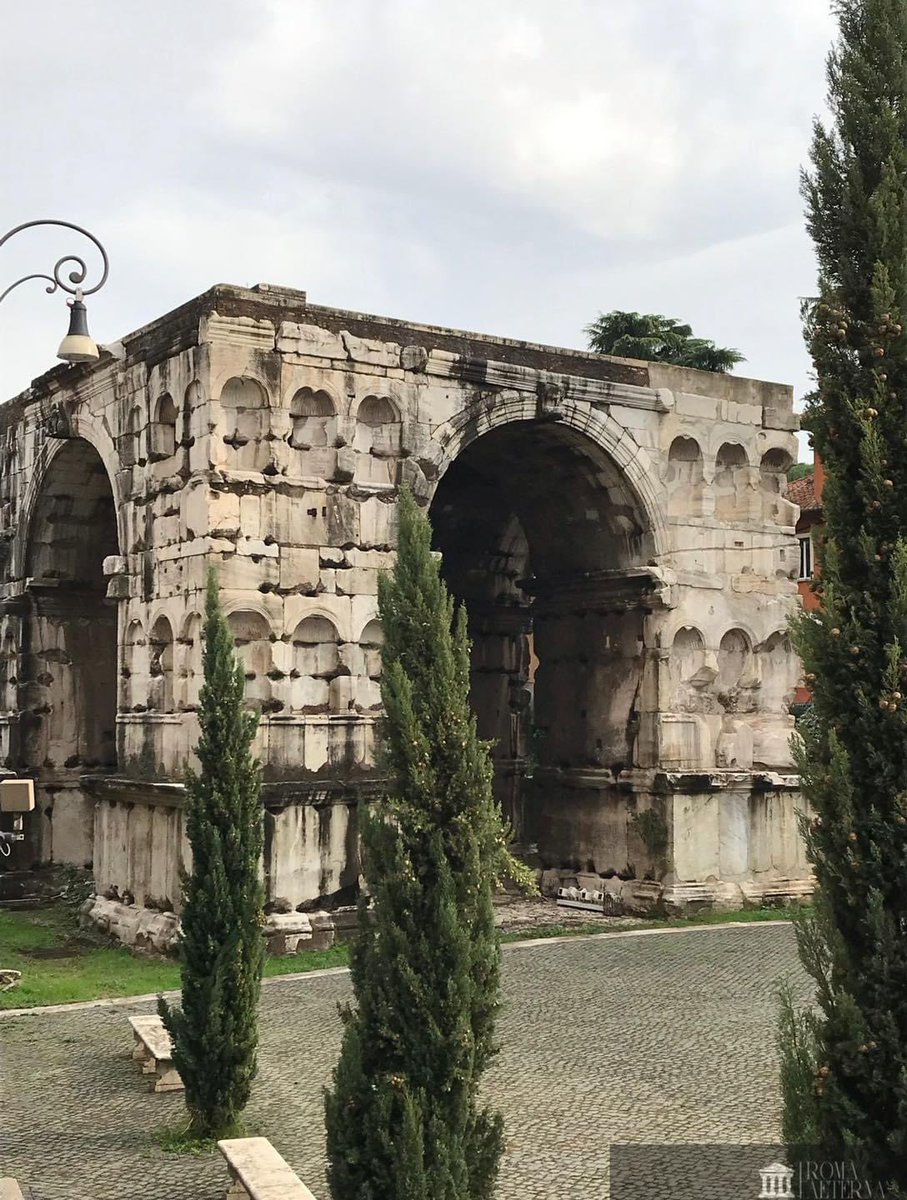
<point>77,346</point>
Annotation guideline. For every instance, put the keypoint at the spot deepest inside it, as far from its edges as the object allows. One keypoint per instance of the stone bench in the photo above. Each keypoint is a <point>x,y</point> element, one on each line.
<point>154,1052</point>
<point>257,1172</point>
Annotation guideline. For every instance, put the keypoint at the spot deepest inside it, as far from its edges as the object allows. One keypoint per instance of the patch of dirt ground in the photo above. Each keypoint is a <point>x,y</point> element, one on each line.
<point>519,914</point>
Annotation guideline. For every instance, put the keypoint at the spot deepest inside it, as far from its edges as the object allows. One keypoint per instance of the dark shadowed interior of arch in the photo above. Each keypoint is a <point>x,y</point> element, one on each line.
<point>544,541</point>
<point>68,669</point>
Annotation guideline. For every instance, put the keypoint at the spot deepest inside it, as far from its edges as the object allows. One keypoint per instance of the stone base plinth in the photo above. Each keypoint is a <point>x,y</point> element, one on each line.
<point>679,842</point>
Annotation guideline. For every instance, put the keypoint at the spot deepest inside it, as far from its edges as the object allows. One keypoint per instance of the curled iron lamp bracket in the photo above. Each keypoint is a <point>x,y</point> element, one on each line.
<point>76,276</point>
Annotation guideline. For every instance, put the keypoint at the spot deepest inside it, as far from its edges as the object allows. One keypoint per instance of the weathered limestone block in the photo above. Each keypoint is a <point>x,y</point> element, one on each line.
<point>144,928</point>
<point>683,741</point>
<point>341,694</point>
<point>735,744</point>
<point>351,658</point>
<point>244,573</point>
<point>343,520</point>
<point>308,694</point>
<point>771,741</point>
<point>414,358</point>
<point>358,581</point>
<point>414,478</point>
<point>114,564</point>
<point>309,340</point>
<point>224,514</point>
<point>377,523</point>
<point>371,352</point>
<point>299,569</point>
<point>344,465</point>
<point>287,933</point>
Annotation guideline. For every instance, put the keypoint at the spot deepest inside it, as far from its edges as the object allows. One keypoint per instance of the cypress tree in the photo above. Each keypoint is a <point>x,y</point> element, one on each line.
<point>404,1121</point>
<point>844,1069</point>
<point>215,1031</point>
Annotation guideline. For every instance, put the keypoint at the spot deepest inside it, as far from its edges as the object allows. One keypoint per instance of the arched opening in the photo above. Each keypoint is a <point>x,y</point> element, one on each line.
<point>130,443</point>
<point>314,432</point>
<point>246,423</point>
<point>736,678</point>
<point>251,635</point>
<point>773,483</point>
<point>188,664</point>
<point>134,670</point>
<point>163,429</point>
<point>377,441</point>
<point>316,664</point>
<point>68,684</point>
<point>684,480</point>
<point>691,676</point>
<point>546,544</point>
<point>368,692</point>
<point>160,667</point>
<point>731,478</point>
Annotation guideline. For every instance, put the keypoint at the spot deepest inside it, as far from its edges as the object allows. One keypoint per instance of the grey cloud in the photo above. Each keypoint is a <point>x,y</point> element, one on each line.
<point>513,167</point>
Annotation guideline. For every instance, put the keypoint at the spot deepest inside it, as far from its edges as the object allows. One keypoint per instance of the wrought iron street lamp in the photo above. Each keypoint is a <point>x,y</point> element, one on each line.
<point>77,346</point>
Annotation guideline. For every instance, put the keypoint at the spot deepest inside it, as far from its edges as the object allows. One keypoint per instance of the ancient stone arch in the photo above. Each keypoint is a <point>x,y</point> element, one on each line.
<point>613,443</point>
<point>618,532</point>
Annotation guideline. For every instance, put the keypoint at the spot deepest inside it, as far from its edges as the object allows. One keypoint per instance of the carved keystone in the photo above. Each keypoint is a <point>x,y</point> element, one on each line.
<point>550,400</point>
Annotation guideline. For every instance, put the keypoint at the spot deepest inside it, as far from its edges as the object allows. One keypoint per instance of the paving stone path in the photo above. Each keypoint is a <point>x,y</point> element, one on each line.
<point>659,1037</point>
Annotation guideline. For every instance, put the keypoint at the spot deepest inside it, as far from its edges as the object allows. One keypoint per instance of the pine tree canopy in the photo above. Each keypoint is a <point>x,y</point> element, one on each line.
<point>404,1121</point>
<point>655,338</point>
<point>846,1071</point>
<point>215,1031</point>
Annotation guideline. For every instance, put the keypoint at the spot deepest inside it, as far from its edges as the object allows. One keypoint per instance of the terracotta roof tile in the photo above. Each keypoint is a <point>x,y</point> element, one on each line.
<point>802,492</point>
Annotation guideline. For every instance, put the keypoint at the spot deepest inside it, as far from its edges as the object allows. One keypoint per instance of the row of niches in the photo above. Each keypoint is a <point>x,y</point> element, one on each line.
<point>328,444</point>
<point>738,677</point>
<point>734,488</point>
<point>309,671</point>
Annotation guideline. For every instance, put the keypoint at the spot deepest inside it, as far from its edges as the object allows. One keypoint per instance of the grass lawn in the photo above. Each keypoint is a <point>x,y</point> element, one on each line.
<point>61,963</point>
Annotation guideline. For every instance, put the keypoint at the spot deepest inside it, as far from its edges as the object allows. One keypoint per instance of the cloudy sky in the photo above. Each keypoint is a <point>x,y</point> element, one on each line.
<point>511,167</point>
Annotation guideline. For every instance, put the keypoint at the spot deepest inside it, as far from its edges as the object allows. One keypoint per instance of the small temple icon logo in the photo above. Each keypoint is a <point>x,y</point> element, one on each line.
<point>776,1182</point>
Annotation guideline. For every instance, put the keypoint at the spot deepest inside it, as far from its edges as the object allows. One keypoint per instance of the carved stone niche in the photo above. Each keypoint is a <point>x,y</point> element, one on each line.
<point>550,398</point>
<point>57,422</point>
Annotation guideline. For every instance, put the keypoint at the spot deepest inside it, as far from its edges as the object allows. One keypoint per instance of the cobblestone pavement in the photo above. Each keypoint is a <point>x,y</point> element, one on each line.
<point>634,1038</point>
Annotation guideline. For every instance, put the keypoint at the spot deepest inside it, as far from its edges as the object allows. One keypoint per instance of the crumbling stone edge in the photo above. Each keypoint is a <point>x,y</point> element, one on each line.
<point>158,932</point>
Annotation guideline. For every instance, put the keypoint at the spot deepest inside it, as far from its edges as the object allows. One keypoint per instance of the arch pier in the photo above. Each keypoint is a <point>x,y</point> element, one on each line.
<point>618,532</point>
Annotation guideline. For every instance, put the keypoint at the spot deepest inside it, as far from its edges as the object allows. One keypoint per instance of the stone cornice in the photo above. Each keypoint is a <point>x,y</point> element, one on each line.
<point>565,386</point>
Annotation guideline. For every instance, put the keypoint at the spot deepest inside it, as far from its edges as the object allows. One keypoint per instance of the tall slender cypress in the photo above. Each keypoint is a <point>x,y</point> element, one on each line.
<point>404,1121</point>
<point>845,1068</point>
<point>215,1031</point>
